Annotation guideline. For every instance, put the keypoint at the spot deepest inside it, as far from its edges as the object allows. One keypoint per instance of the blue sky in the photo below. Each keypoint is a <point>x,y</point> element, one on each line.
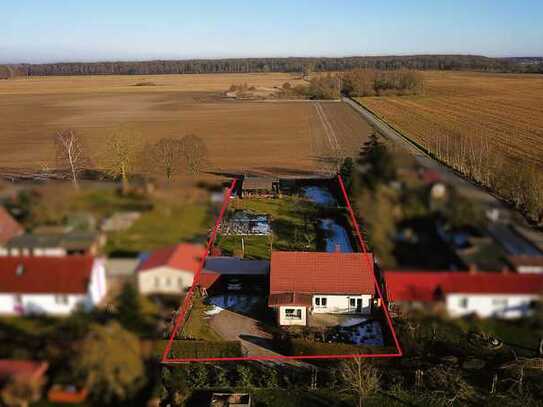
<point>88,30</point>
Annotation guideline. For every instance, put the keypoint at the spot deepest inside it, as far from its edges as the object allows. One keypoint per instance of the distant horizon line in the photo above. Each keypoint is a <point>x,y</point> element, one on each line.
<point>98,61</point>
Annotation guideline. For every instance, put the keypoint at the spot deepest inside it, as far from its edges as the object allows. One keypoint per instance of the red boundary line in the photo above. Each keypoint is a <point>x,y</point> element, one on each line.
<point>188,299</point>
<point>187,302</point>
<point>365,250</point>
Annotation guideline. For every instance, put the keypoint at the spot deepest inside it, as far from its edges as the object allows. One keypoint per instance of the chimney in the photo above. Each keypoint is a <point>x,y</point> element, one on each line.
<point>472,268</point>
<point>338,248</point>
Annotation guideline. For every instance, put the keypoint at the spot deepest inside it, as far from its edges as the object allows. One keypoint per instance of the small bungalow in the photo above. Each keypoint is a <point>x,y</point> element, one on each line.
<point>170,270</point>
<point>486,294</point>
<point>305,283</point>
<point>260,187</point>
<point>50,285</point>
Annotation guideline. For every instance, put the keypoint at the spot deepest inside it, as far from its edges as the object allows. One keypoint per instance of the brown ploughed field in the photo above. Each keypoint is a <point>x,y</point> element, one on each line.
<point>505,110</point>
<point>279,137</point>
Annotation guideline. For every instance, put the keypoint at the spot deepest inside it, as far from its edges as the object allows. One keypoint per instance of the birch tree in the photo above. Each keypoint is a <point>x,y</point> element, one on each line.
<point>360,378</point>
<point>70,154</point>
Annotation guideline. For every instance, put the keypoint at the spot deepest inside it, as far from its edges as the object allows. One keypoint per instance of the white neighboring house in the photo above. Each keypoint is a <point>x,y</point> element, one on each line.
<point>305,283</point>
<point>486,294</point>
<point>170,270</point>
<point>50,285</point>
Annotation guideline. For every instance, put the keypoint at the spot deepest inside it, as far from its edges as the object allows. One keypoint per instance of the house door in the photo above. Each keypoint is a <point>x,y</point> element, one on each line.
<point>359,305</point>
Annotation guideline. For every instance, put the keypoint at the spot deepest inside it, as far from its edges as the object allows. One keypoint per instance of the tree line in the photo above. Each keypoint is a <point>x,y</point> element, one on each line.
<point>293,64</point>
<point>357,82</point>
<point>372,82</point>
<point>125,156</point>
<point>479,159</point>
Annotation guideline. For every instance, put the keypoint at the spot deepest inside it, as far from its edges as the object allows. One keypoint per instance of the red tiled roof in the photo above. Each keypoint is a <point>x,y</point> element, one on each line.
<point>45,275</point>
<point>182,256</point>
<point>9,227</point>
<point>27,368</point>
<point>414,285</point>
<point>490,283</point>
<point>423,286</point>
<point>323,273</point>
<point>276,300</point>
<point>208,278</point>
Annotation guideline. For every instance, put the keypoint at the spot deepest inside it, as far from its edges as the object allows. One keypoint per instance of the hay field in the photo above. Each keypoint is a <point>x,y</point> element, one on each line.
<point>270,137</point>
<point>503,110</point>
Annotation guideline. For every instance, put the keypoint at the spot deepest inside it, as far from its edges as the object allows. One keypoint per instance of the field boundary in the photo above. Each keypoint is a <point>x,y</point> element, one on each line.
<point>187,303</point>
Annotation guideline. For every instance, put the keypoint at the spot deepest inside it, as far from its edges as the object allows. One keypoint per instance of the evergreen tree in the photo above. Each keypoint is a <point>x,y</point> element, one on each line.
<point>129,308</point>
<point>346,171</point>
<point>376,163</point>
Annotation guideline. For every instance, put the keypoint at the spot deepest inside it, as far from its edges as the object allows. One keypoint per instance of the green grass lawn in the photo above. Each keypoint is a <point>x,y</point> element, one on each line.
<point>294,223</point>
<point>104,202</point>
<point>164,225</point>
<point>256,247</point>
<point>197,326</point>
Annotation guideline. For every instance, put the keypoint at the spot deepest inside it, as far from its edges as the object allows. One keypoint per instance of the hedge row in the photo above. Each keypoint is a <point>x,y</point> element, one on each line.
<point>201,349</point>
<point>302,347</point>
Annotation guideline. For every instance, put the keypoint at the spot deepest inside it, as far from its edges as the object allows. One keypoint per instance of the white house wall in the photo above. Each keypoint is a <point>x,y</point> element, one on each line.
<point>530,269</point>
<point>489,305</point>
<point>339,304</point>
<point>98,286</point>
<point>47,252</point>
<point>41,304</point>
<point>156,281</point>
<point>7,304</point>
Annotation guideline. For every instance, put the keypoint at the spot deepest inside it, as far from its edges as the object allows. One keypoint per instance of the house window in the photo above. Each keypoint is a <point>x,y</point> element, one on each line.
<point>180,282</point>
<point>61,299</point>
<point>320,301</point>
<point>352,302</point>
<point>168,282</point>
<point>157,282</point>
<point>463,302</point>
<point>291,313</point>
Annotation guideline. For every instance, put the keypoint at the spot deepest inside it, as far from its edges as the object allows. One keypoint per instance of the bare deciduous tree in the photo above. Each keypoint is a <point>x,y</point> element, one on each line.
<point>70,153</point>
<point>167,156</point>
<point>360,378</point>
<point>194,153</point>
<point>119,157</point>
